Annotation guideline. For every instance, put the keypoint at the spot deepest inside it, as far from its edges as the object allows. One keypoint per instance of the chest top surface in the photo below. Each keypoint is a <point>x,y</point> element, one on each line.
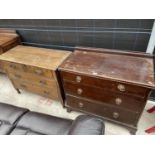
<point>39,57</point>
<point>115,66</point>
<point>5,38</point>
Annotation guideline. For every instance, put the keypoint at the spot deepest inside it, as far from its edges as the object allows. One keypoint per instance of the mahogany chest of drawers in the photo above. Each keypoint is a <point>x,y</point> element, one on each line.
<point>8,40</point>
<point>107,83</point>
<point>34,69</point>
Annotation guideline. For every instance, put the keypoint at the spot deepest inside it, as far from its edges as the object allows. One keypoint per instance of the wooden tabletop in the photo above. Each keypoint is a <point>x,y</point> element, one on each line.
<point>33,56</point>
<point>125,67</point>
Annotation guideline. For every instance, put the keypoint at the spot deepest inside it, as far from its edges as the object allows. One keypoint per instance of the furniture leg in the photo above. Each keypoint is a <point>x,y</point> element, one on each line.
<point>133,132</point>
<point>18,91</point>
<point>69,110</point>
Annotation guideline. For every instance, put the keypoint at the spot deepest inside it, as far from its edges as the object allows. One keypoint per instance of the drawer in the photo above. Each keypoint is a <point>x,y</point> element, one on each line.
<point>11,67</point>
<point>102,95</point>
<point>1,67</point>
<point>102,110</point>
<point>106,84</point>
<point>49,92</point>
<point>35,79</point>
<point>1,50</point>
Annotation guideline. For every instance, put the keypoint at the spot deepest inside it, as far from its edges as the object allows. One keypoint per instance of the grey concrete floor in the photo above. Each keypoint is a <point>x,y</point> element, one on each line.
<point>40,104</point>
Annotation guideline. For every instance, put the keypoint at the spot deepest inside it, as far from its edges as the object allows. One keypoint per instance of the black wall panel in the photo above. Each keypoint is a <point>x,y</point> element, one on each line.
<point>66,34</point>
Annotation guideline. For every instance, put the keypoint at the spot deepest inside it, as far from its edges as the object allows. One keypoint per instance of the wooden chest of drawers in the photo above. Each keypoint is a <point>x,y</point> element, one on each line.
<point>34,69</point>
<point>8,40</point>
<point>110,84</point>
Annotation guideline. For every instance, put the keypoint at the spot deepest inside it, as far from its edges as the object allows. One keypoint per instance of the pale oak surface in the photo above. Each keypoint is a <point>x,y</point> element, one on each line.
<point>33,56</point>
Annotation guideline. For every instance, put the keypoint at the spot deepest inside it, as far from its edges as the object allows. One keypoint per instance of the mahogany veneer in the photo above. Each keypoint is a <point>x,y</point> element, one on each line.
<point>111,84</point>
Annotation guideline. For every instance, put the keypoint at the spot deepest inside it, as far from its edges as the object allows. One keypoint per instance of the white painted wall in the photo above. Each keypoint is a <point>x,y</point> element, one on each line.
<point>151,44</point>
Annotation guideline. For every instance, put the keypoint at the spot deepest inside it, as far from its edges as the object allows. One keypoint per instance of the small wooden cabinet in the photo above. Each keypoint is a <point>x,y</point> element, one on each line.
<point>111,84</point>
<point>8,40</point>
<point>34,69</point>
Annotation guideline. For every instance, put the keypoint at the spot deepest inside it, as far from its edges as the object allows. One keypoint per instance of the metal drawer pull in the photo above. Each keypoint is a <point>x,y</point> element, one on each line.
<point>78,79</point>
<point>118,101</point>
<point>17,76</point>
<point>46,92</point>
<point>24,86</point>
<point>81,105</point>
<point>121,87</point>
<point>39,72</point>
<point>79,91</point>
<point>42,82</point>
<point>115,115</point>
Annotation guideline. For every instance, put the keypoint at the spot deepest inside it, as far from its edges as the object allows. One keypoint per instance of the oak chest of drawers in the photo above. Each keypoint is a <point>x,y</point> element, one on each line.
<point>107,83</point>
<point>8,40</point>
<point>34,69</point>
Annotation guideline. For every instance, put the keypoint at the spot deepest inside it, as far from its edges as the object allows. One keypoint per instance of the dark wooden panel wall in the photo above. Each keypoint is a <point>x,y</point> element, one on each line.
<point>116,34</point>
<point>66,34</point>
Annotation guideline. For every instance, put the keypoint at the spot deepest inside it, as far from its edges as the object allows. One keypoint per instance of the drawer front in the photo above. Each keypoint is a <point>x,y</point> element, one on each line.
<point>1,50</point>
<point>35,79</point>
<point>106,84</point>
<point>50,92</point>
<point>105,96</point>
<point>11,67</point>
<point>1,67</point>
<point>103,110</point>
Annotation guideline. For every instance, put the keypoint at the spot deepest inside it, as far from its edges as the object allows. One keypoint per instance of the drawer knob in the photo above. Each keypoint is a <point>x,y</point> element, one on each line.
<point>46,92</point>
<point>118,101</point>
<point>121,87</point>
<point>23,86</point>
<point>42,82</point>
<point>78,79</point>
<point>80,104</point>
<point>79,91</point>
<point>17,76</point>
<point>115,115</point>
<point>38,71</point>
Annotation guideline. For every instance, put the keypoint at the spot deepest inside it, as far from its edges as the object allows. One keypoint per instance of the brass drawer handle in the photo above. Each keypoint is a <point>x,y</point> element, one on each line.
<point>42,82</point>
<point>38,71</point>
<point>115,115</point>
<point>79,91</point>
<point>118,101</point>
<point>23,86</point>
<point>81,105</point>
<point>121,87</point>
<point>46,92</point>
<point>78,79</point>
<point>13,66</point>
<point>17,76</point>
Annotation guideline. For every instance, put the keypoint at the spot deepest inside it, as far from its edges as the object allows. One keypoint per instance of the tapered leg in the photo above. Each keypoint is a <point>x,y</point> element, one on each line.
<point>18,91</point>
<point>133,131</point>
<point>69,110</point>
